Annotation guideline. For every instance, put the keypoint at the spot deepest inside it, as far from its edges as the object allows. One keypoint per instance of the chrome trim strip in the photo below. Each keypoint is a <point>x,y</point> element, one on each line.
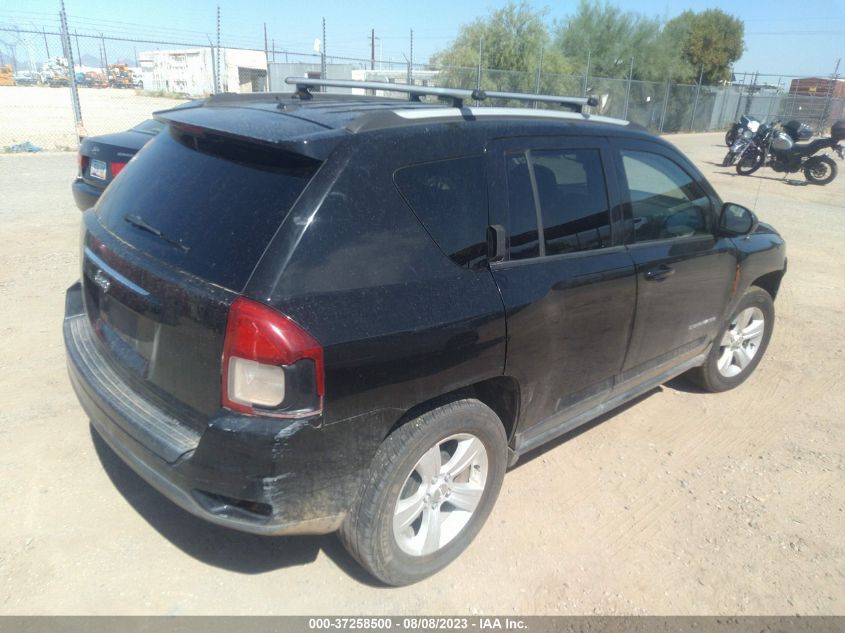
<point>124,281</point>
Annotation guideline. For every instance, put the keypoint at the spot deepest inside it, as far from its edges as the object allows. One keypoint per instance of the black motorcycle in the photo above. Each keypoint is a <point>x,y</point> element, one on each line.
<point>744,141</point>
<point>778,148</point>
<point>738,128</point>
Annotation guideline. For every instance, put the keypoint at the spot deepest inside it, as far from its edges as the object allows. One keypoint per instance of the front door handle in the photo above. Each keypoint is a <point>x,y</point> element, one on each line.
<point>660,273</point>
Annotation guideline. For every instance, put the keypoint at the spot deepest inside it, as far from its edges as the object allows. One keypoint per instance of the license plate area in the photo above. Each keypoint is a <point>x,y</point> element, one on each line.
<point>97,169</point>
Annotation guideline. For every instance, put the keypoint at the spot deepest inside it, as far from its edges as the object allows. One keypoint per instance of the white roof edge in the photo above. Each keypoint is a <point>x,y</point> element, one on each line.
<point>440,113</point>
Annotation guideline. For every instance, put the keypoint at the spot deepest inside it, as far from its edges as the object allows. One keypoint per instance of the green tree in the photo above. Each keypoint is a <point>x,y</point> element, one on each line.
<point>513,38</point>
<point>611,37</point>
<point>710,41</point>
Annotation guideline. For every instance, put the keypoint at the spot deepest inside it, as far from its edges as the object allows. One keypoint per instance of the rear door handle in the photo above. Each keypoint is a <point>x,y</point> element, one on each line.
<point>660,273</point>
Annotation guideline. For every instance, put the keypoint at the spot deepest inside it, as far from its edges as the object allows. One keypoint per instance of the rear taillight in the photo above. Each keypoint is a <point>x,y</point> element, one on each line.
<point>271,366</point>
<point>115,168</point>
<point>83,163</point>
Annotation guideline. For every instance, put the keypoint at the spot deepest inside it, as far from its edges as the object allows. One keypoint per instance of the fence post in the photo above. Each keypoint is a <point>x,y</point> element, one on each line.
<point>266,62</point>
<point>587,73</point>
<point>829,100</point>
<point>739,98</point>
<point>213,67</point>
<point>478,70</point>
<point>628,89</point>
<point>695,103</point>
<point>74,92</point>
<point>665,105</point>
<point>217,81</point>
<point>323,53</point>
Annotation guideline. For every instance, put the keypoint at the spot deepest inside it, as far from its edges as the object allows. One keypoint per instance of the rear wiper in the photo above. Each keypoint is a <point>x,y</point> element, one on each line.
<point>141,223</point>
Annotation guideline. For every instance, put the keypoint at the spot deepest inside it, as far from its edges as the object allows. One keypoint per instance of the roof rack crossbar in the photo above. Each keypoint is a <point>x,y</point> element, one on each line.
<point>574,103</point>
<point>456,95</point>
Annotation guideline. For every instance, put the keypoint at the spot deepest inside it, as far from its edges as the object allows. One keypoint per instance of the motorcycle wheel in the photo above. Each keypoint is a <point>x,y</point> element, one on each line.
<point>728,160</point>
<point>730,136</point>
<point>820,170</point>
<point>749,163</point>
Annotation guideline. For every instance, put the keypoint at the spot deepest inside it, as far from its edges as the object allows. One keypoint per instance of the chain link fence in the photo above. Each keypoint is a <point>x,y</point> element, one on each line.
<point>58,84</point>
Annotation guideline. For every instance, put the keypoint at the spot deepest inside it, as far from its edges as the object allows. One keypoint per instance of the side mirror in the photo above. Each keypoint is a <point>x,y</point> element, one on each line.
<point>735,220</point>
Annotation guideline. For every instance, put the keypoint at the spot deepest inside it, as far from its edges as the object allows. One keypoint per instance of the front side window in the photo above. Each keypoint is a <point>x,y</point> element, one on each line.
<point>558,202</point>
<point>665,200</point>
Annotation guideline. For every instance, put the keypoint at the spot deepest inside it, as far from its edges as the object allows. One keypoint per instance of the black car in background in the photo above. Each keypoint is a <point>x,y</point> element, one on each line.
<point>101,158</point>
<point>307,313</point>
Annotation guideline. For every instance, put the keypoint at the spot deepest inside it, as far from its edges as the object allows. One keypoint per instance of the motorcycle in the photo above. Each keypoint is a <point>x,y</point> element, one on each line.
<point>742,142</point>
<point>778,148</point>
<point>738,128</point>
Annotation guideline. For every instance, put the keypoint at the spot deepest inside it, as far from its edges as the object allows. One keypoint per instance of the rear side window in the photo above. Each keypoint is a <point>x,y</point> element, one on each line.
<point>523,236</point>
<point>450,199</point>
<point>569,195</point>
<point>573,200</point>
<point>216,203</point>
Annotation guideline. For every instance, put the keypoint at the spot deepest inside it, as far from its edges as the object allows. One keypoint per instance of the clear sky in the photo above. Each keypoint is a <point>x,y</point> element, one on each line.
<point>782,36</point>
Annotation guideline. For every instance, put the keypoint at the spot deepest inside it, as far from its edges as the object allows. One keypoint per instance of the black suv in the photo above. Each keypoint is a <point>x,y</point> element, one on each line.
<point>302,314</point>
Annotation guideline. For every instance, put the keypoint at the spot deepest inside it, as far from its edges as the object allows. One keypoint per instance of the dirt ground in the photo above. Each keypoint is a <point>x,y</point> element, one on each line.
<point>680,503</point>
<point>44,116</point>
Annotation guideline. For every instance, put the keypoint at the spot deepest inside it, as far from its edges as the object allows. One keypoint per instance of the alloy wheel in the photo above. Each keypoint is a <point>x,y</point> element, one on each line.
<point>741,342</point>
<point>440,494</point>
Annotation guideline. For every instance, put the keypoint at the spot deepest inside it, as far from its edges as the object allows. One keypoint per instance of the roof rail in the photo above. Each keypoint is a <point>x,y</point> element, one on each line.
<point>456,95</point>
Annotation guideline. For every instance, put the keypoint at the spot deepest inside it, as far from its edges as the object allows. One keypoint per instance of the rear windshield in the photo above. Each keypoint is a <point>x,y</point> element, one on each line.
<point>206,205</point>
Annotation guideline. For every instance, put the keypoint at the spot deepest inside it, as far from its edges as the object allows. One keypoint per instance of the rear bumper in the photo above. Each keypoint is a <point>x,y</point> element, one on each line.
<point>259,475</point>
<point>84,195</point>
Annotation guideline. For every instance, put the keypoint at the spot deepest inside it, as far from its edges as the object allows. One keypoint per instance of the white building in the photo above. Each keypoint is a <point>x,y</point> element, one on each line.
<point>192,71</point>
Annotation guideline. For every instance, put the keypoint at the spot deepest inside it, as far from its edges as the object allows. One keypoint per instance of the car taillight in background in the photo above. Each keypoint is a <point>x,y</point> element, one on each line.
<point>115,168</point>
<point>271,366</point>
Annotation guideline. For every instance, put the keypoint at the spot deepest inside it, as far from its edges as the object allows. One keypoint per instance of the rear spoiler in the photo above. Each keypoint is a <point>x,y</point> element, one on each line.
<point>269,128</point>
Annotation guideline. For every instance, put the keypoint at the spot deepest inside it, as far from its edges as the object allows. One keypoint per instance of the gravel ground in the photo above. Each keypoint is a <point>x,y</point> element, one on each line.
<point>680,503</point>
<point>44,116</point>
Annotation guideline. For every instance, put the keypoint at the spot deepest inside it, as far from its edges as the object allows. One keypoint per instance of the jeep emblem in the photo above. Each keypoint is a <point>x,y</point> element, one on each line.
<point>102,281</point>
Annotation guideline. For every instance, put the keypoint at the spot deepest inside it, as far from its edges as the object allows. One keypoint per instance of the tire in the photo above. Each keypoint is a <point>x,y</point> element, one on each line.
<point>399,555</point>
<point>730,136</point>
<point>733,358</point>
<point>728,160</point>
<point>749,163</point>
<point>820,170</point>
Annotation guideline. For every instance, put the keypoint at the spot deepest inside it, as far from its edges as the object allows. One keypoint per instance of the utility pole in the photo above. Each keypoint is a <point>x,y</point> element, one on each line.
<point>372,49</point>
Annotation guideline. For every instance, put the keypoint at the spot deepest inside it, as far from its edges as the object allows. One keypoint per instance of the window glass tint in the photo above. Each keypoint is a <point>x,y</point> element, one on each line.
<point>450,199</point>
<point>573,199</point>
<point>523,237</point>
<point>221,200</point>
<point>665,200</point>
